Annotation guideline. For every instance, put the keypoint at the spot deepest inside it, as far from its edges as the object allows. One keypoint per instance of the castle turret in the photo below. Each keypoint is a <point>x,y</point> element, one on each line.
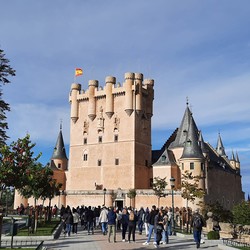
<point>233,161</point>
<point>138,92</point>
<point>237,161</point>
<point>75,88</point>
<point>129,81</point>
<point>59,157</point>
<point>192,158</point>
<point>59,164</point>
<point>93,84</point>
<point>110,81</point>
<point>149,83</point>
<point>220,148</point>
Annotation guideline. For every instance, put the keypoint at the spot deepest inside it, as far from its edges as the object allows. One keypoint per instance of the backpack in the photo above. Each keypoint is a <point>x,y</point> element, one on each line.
<point>197,223</point>
<point>131,216</point>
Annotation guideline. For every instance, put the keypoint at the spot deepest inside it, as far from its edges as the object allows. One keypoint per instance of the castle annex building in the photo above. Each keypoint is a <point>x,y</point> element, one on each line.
<point>110,151</point>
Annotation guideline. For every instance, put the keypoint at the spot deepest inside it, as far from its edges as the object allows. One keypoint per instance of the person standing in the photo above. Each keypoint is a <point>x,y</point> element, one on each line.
<point>146,215</point>
<point>132,225</point>
<point>68,220</point>
<point>112,224</point>
<point>158,227</point>
<point>76,218</point>
<point>89,214</point>
<point>197,223</point>
<point>151,219</point>
<point>170,221</point>
<point>103,219</point>
<point>165,238</point>
<point>141,217</point>
<point>124,222</point>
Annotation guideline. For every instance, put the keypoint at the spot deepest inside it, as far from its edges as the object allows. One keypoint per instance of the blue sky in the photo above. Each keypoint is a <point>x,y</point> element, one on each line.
<point>193,48</point>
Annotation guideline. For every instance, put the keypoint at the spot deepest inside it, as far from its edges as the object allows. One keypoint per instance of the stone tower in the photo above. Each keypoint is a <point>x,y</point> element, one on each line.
<point>110,136</point>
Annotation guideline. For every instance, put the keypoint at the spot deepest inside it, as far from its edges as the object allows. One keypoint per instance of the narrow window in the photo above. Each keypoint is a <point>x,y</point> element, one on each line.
<point>85,141</point>
<point>85,157</point>
<point>100,139</point>
<point>115,138</point>
<point>99,162</point>
<point>116,161</point>
<point>182,166</point>
<point>191,166</point>
<point>59,165</point>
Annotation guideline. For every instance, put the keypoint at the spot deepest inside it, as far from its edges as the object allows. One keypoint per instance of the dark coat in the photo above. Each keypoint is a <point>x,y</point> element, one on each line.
<point>111,217</point>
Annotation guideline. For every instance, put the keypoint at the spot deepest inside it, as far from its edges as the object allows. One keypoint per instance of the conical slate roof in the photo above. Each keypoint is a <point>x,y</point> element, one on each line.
<point>59,150</point>
<point>220,148</point>
<point>232,157</point>
<point>183,129</point>
<point>237,157</point>
<point>192,148</point>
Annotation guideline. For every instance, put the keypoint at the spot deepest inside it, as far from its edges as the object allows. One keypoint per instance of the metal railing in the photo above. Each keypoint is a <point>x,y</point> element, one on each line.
<point>235,243</point>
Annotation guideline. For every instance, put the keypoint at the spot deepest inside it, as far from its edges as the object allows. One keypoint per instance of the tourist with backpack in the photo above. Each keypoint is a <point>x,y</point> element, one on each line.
<point>132,225</point>
<point>197,223</point>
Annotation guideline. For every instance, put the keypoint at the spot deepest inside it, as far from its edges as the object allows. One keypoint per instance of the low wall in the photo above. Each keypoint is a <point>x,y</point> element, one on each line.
<point>230,231</point>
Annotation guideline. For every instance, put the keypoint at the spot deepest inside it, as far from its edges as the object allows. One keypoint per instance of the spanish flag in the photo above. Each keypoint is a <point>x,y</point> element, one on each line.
<point>78,72</point>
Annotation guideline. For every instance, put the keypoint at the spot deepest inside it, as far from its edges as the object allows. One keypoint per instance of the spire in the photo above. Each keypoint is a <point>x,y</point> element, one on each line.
<point>192,148</point>
<point>220,148</point>
<point>237,158</point>
<point>59,150</point>
<point>202,143</point>
<point>232,157</point>
<point>183,129</point>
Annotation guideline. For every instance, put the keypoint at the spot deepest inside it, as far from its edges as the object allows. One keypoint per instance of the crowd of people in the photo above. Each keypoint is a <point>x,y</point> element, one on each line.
<point>156,223</point>
<point>153,222</point>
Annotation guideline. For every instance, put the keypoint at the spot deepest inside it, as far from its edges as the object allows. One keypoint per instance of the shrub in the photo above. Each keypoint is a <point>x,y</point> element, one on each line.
<point>213,235</point>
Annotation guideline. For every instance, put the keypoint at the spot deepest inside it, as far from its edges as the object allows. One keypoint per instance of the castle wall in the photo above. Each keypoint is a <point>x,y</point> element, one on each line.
<point>223,187</point>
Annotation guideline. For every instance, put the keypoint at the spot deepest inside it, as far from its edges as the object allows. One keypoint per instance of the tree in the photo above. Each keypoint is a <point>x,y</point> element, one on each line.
<point>159,186</point>
<point>190,187</point>
<point>241,213</point>
<point>17,162</point>
<point>5,72</point>
<point>190,190</point>
<point>131,194</point>
<point>51,189</point>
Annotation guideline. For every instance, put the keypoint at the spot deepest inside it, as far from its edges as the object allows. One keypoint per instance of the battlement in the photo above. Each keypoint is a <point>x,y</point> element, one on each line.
<point>139,95</point>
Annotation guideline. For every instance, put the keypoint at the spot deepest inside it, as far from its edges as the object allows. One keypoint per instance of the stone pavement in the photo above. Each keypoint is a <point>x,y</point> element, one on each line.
<point>97,241</point>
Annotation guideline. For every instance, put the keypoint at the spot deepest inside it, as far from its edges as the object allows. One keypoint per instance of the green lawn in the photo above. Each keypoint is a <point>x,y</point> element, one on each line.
<point>43,229</point>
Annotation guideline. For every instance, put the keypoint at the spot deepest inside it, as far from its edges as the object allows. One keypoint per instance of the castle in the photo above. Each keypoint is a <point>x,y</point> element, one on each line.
<point>110,151</point>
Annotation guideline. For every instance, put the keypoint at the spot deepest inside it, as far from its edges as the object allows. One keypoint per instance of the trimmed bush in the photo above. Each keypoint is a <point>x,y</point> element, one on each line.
<point>213,235</point>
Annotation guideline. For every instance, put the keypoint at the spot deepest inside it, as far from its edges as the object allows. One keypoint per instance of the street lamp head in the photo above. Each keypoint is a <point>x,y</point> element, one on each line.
<point>172,182</point>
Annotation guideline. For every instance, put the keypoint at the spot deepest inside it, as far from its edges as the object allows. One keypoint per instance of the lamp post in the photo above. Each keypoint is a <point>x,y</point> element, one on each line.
<point>172,184</point>
<point>7,190</point>
<point>104,193</point>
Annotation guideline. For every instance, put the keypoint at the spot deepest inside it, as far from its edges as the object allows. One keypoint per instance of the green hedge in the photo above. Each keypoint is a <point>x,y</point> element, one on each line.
<point>213,235</point>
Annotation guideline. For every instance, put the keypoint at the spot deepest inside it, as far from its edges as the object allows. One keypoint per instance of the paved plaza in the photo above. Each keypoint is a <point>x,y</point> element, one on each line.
<point>98,241</point>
